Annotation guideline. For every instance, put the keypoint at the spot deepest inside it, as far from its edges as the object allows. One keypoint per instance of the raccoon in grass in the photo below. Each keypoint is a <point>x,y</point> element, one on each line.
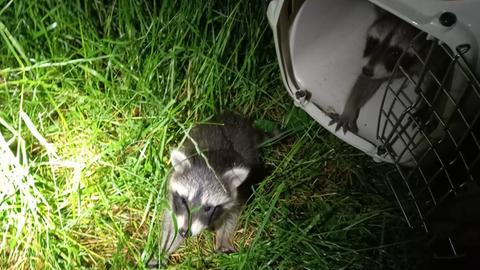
<point>211,182</point>
<point>388,39</point>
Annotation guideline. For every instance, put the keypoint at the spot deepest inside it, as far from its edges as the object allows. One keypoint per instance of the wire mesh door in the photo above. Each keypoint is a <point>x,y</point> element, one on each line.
<point>439,132</point>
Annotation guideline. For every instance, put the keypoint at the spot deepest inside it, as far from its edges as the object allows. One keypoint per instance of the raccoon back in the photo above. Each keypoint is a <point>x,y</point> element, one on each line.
<point>229,135</point>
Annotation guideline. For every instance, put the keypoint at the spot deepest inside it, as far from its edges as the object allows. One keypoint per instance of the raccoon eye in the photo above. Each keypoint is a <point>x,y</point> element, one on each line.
<point>184,201</point>
<point>207,208</point>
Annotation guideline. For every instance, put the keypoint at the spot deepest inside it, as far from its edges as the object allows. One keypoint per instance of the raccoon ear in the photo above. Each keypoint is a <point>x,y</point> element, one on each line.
<point>236,176</point>
<point>179,161</point>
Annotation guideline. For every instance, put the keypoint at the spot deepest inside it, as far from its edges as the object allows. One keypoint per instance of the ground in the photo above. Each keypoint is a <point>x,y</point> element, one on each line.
<point>94,95</point>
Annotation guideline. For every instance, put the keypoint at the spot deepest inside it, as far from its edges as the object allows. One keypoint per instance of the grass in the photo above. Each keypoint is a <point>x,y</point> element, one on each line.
<point>94,94</point>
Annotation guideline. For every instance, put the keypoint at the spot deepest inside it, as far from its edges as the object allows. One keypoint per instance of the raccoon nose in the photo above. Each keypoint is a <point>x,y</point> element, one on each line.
<point>184,233</point>
<point>367,71</point>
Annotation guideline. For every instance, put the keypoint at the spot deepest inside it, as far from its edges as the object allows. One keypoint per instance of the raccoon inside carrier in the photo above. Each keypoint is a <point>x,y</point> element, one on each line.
<point>399,81</point>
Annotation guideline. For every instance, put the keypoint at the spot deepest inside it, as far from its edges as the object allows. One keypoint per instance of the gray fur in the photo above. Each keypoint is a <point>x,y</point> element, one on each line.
<point>206,186</point>
<point>387,39</point>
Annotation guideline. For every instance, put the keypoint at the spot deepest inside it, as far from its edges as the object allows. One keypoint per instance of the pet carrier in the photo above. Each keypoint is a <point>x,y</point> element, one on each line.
<point>424,122</point>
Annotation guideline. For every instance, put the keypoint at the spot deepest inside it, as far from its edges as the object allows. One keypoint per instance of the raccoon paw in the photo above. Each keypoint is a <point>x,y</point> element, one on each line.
<point>227,249</point>
<point>343,121</point>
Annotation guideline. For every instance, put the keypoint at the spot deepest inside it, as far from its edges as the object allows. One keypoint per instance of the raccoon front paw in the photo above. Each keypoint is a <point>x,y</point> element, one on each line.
<point>344,121</point>
<point>226,248</point>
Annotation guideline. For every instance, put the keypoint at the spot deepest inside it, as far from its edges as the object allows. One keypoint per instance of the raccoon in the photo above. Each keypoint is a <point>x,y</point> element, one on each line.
<point>211,181</point>
<point>388,39</point>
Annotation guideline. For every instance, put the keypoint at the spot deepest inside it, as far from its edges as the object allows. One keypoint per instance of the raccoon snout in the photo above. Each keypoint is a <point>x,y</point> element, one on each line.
<point>367,71</point>
<point>184,233</point>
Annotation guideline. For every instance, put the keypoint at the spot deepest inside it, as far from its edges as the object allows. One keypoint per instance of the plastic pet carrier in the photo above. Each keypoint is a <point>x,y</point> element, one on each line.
<point>425,122</point>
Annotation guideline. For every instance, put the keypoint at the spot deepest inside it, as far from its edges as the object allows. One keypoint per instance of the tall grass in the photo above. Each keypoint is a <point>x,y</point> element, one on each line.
<point>94,94</point>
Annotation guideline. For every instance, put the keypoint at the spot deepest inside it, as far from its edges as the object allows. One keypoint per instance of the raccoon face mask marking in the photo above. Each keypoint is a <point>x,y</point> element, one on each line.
<point>387,39</point>
<point>198,198</point>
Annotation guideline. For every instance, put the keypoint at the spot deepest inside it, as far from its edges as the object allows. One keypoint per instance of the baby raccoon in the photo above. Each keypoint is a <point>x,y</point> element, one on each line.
<point>388,38</point>
<point>210,184</point>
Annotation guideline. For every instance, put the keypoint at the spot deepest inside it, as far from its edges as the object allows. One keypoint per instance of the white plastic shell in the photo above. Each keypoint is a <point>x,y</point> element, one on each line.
<point>325,43</point>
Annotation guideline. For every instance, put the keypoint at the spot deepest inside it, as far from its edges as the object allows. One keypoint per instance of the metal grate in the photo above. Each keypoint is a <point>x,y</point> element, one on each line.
<point>438,131</point>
